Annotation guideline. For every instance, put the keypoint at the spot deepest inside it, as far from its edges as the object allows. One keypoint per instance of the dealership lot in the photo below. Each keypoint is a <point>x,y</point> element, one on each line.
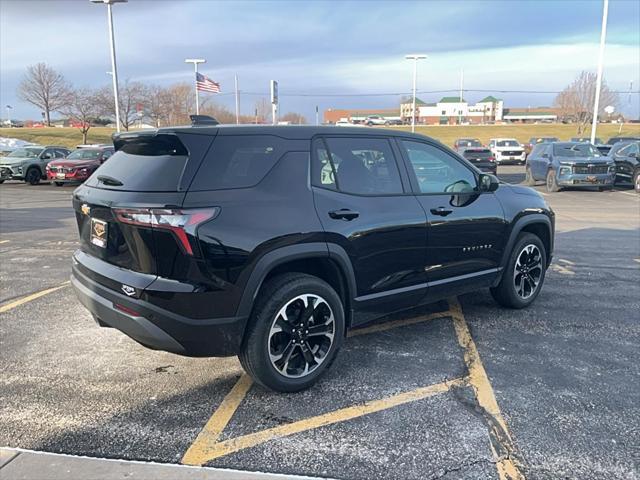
<point>460,389</point>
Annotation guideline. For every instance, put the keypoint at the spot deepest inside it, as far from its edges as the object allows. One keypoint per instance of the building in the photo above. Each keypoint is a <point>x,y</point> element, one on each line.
<point>332,115</point>
<point>530,115</point>
<point>454,110</point>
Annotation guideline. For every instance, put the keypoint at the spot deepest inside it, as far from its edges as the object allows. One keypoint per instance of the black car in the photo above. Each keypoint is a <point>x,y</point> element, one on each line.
<point>627,158</point>
<point>270,242</point>
<point>481,158</point>
<point>613,140</point>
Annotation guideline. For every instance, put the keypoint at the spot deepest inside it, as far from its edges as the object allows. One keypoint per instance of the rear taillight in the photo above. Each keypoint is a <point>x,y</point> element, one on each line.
<point>492,159</point>
<point>181,222</point>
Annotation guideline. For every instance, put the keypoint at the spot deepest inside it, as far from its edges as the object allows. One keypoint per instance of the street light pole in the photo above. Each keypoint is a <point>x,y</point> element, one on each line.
<point>195,62</point>
<point>415,58</point>
<point>112,44</point>
<point>596,103</point>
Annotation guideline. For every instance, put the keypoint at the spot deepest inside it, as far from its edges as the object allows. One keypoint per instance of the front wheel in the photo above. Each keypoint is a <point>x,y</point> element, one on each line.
<point>294,332</point>
<point>636,181</point>
<point>58,184</point>
<point>552,184</point>
<point>33,176</point>
<point>524,273</point>
<point>528,177</point>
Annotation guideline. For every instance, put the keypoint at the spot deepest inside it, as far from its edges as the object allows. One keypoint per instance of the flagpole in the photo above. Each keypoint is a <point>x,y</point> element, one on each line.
<point>195,62</point>
<point>237,101</point>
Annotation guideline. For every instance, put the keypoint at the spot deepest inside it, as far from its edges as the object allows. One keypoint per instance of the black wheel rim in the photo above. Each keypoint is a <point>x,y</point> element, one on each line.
<point>527,271</point>
<point>33,176</point>
<point>301,336</point>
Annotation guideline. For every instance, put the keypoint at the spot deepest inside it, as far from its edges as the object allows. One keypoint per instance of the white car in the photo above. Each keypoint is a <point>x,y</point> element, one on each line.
<point>376,120</point>
<point>507,150</point>
<point>344,123</point>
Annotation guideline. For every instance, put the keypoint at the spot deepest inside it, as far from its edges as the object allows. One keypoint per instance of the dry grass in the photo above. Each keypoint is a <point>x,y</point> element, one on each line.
<point>70,137</point>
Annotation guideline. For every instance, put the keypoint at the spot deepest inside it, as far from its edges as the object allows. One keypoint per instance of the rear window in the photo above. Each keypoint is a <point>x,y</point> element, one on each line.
<point>238,161</point>
<point>508,143</point>
<point>143,164</point>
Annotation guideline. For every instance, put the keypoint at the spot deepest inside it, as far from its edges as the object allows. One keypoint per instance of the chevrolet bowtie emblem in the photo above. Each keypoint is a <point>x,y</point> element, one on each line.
<point>85,209</point>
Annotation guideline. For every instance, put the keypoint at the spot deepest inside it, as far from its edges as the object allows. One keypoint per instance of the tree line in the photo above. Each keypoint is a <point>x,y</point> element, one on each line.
<point>48,90</point>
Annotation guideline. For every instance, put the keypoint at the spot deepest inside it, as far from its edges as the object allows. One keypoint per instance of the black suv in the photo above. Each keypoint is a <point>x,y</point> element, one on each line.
<point>270,242</point>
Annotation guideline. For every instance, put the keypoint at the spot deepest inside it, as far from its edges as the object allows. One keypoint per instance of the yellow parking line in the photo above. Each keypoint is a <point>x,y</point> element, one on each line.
<point>501,443</point>
<point>29,298</point>
<point>2,242</point>
<point>397,323</point>
<point>208,437</point>
<point>253,439</point>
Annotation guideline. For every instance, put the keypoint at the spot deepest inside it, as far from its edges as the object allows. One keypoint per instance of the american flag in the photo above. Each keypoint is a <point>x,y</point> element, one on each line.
<point>205,84</point>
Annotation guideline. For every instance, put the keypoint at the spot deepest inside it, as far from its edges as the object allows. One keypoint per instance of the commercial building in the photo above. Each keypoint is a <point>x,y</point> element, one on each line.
<point>454,110</point>
<point>356,116</point>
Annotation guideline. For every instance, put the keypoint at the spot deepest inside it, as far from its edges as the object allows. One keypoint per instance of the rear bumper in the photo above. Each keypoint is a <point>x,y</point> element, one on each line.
<point>157,328</point>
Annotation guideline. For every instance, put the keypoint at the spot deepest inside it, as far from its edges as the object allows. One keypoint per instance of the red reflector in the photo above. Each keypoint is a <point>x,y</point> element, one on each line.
<point>127,310</point>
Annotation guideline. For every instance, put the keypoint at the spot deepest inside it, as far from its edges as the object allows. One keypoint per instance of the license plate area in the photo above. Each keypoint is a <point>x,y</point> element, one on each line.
<point>591,179</point>
<point>99,232</point>
<point>60,175</point>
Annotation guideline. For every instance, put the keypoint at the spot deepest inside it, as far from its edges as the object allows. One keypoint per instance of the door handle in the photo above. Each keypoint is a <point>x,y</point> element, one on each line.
<point>443,212</point>
<point>343,214</point>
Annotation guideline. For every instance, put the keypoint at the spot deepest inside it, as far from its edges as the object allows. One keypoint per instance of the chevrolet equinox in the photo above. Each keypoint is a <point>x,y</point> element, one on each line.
<point>270,242</point>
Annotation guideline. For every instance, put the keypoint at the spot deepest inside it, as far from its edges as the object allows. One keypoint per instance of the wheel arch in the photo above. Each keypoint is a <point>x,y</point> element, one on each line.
<point>326,261</point>
<point>535,223</point>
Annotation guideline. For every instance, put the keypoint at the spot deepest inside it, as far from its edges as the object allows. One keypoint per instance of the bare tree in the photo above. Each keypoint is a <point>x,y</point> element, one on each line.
<point>45,88</point>
<point>293,117</point>
<point>263,110</point>
<point>82,110</point>
<point>575,102</point>
<point>131,94</point>
<point>158,104</point>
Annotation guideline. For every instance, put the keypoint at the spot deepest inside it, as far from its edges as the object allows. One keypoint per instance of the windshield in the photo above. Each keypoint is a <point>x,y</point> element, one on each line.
<point>508,143</point>
<point>575,150</point>
<point>469,143</point>
<point>26,152</point>
<point>84,154</point>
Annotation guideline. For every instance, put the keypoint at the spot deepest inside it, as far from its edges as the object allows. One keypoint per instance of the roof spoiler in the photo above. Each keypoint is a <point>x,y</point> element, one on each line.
<point>203,120</point>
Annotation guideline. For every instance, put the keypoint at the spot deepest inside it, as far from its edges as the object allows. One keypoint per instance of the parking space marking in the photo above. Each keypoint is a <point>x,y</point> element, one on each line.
<point>398,323</point>
<point>2,242</point>
<point>26,299</point>
<point>253,439</point>
<point>208,437</point>
<point>501,442</point>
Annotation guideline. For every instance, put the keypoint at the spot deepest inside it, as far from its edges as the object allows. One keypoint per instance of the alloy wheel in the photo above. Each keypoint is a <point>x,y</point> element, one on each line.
<point>527,271</point>
<point>301,336</point>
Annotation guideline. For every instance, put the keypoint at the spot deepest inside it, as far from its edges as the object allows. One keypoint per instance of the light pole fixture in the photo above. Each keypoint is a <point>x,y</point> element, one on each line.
<point>415,57</point>
<point>195,62</point>
<point>596,100</point>
<point>112,43</point>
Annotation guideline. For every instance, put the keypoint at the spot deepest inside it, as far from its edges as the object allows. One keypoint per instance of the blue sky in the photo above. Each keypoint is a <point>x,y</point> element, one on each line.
<point>326,47</point>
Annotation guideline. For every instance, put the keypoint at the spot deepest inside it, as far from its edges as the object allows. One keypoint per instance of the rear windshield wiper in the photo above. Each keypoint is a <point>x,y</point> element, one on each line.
<point>113,182</point>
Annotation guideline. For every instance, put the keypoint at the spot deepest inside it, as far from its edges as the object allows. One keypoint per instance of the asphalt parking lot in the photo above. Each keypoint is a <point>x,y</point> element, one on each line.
<point>459,390</point>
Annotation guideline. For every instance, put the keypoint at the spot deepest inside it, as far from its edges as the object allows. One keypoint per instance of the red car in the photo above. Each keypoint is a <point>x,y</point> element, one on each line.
<point>78,165</point>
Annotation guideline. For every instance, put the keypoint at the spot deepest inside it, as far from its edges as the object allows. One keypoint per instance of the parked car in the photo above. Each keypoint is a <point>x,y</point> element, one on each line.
<point>533,141</point>
<point>507,150</point>
<point>482,158</point>
<point>569,164</point>
<point>461,143</point>
<point>270,242</point>
<point>613,140</point>
<point>626,156</point>
<point>394,121</point>
<point>376,120</point>
<point>29,163</point>
<point>78,165</point>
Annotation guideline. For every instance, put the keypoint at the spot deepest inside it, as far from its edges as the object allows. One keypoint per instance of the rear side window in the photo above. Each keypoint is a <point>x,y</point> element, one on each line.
<point>362,166</point>
<point>143,164</point>
<point>238,161</point>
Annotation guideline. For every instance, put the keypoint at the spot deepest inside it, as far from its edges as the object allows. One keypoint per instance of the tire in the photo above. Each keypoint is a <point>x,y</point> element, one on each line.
<point>33,176</point>
<point>58,184</point>
<point>605,189</point>
<point>528,177</point>
<point>267,340</point>
<point>552,184</point>
<point>507,293</point>
<point>1,182</point>
<point>636,181</point>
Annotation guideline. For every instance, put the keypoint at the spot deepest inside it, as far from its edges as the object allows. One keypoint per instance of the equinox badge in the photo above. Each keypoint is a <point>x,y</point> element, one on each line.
<point>128,290</point>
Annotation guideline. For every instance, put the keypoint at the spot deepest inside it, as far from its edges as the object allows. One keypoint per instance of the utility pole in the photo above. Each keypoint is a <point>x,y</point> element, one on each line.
<point>596,103</point>
<point>415,58</point>
<point>195,62</point>
<point>237,101</point>
<point>317,116</point>
<point>461,88</point>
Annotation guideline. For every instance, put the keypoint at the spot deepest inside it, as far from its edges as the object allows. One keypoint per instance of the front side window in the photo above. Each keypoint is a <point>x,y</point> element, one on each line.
<point>362,166</point>
<point>437,171</point>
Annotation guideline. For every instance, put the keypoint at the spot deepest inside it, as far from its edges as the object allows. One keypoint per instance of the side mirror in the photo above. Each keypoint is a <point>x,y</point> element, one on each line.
<point>488,183</point>
<point>545,155</point>
<point>45,156</point>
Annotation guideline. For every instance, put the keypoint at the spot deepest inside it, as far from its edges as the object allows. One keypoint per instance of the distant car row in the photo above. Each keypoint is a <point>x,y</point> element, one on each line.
<point>59,165</point>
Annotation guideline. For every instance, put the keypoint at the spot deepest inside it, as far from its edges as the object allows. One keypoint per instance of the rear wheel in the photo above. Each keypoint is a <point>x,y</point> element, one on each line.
<point>524,274</point>
<point>294,332</point>
<point>1,182</point>
<point>528,177</point>
<point>33,176</point>
<point>636,181</point>
<point>552,184</point>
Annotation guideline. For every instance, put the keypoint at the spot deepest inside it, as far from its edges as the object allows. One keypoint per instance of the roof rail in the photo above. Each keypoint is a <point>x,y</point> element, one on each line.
<point>203,120</point>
